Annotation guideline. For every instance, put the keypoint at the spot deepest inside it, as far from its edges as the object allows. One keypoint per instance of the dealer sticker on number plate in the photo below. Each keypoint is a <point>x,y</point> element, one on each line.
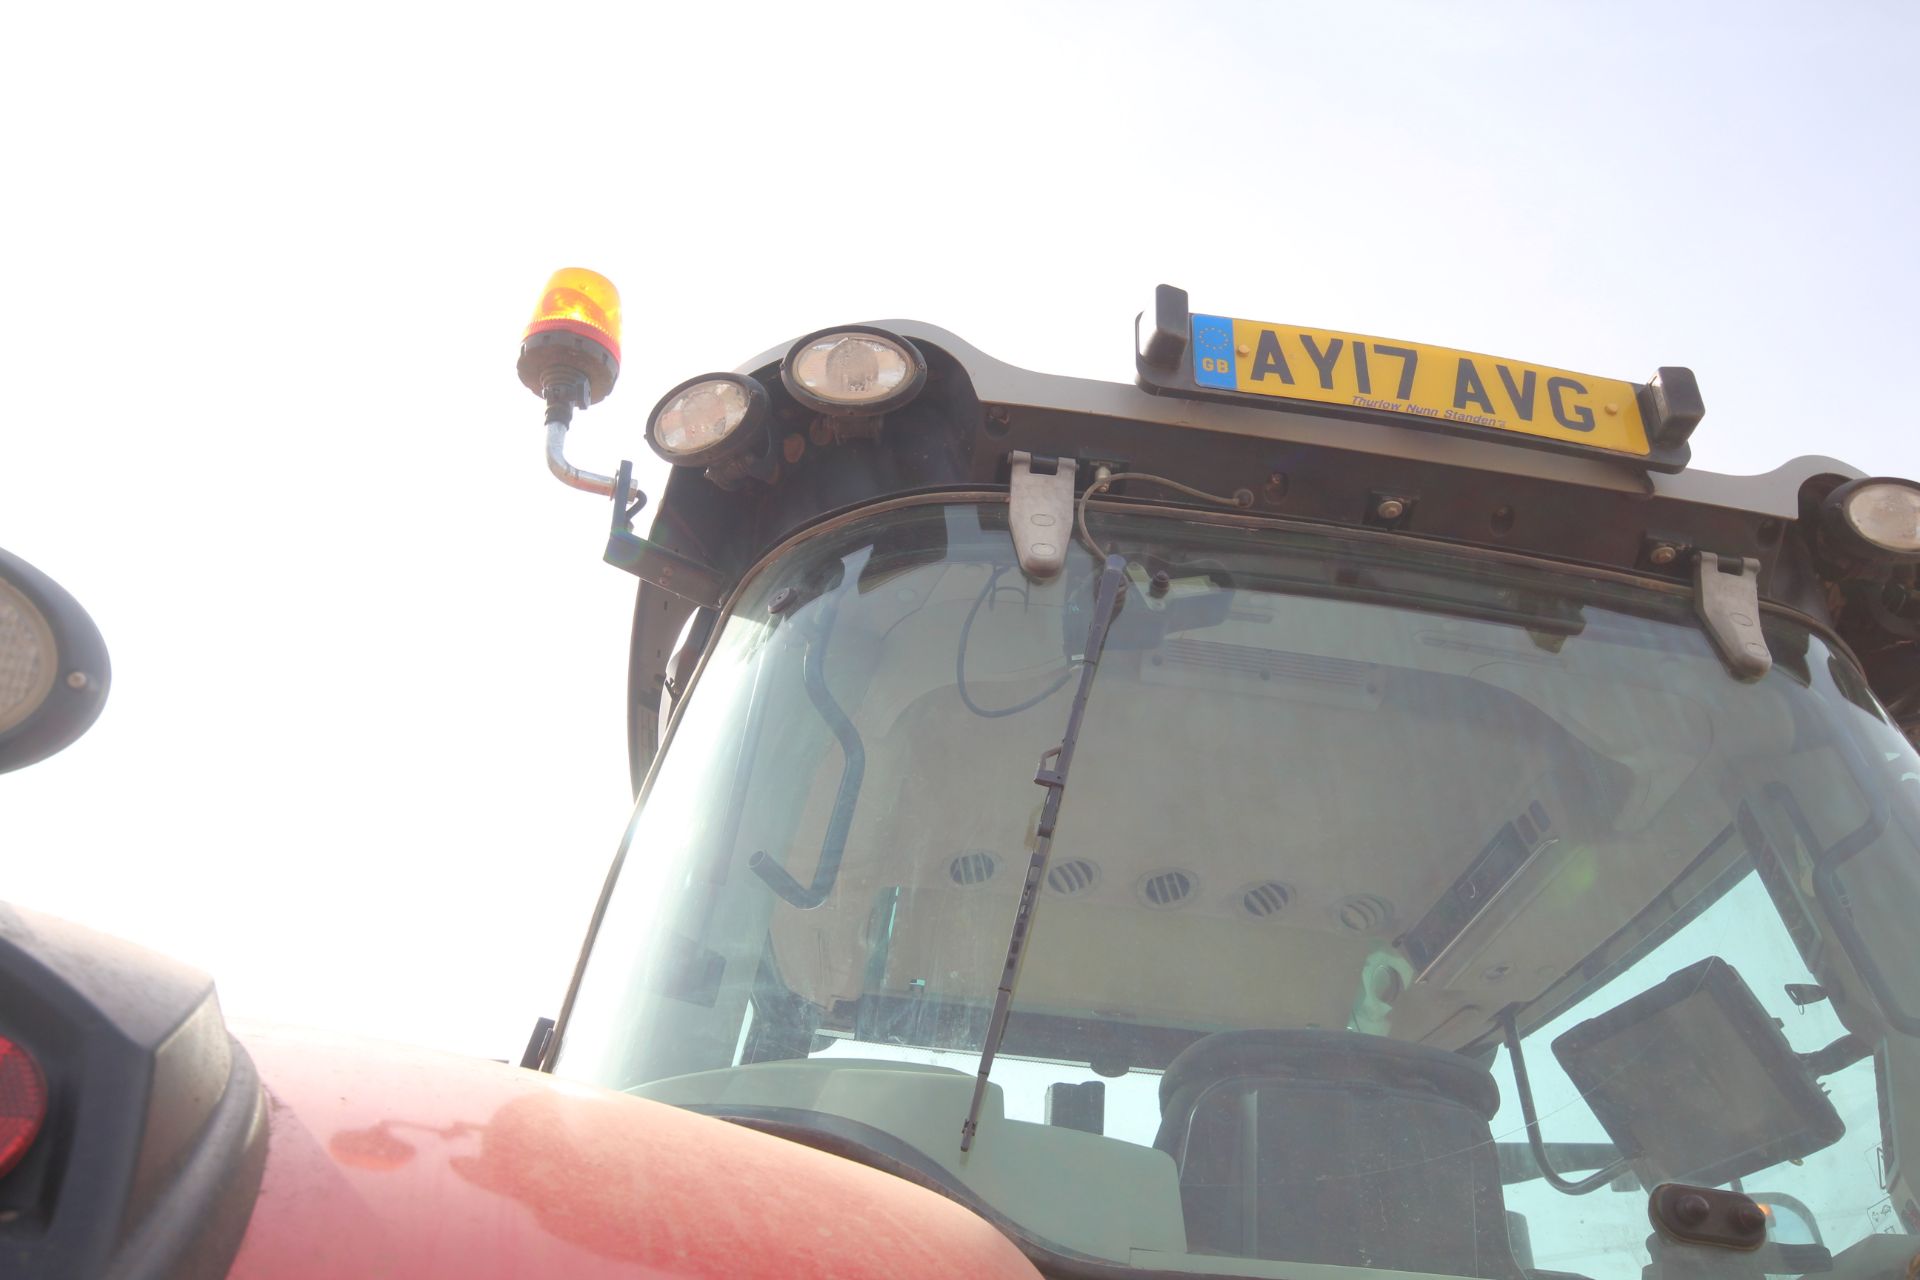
<point>1443,386</point>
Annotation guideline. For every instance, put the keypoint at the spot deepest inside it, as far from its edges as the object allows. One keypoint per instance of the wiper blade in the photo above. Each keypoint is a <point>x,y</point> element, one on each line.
<point>1106,605</point>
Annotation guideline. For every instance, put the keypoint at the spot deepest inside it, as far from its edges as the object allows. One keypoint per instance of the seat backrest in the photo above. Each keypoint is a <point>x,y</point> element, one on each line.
<point>1336,1147</point>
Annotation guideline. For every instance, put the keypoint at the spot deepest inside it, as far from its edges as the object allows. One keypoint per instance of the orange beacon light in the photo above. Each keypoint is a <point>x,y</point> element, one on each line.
<point>570,352</point>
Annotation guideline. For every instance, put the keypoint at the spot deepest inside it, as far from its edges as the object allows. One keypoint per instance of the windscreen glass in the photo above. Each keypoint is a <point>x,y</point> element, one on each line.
<point>1346,817</point>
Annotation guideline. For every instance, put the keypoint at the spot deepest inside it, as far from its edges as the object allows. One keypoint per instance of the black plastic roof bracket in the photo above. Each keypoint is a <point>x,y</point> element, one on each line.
<point>1161,333</point>
<point>1728,601</point>
<point>649,561</point>
<point>1041,514</point>
<point>1672,408</point>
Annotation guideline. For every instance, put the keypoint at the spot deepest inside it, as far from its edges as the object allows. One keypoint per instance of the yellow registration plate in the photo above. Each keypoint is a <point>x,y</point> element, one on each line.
<point>1440,385</point>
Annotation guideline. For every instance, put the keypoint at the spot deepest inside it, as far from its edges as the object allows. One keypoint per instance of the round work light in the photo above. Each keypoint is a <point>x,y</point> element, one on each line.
<point>53,666</point>
<point>853,370</point>
<point>710,420</point>
<point>29,658</point>
<point>1877,518</point>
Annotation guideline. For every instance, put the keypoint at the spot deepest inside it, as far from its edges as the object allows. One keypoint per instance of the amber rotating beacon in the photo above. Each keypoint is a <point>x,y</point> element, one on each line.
<point>570,357</point>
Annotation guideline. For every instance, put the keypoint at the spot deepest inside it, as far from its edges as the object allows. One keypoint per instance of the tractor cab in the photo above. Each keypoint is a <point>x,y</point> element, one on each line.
<point>1333,807</point>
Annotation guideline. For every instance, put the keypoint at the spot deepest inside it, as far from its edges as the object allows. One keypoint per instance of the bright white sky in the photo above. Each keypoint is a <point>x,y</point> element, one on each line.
<point>263,278</point>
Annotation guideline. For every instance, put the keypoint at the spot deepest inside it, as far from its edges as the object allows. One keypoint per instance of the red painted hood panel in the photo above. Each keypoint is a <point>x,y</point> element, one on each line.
<point>390,1161</point>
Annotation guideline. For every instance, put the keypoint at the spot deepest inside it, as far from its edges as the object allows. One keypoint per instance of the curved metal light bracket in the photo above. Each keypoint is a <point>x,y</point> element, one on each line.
<point>565,472</point>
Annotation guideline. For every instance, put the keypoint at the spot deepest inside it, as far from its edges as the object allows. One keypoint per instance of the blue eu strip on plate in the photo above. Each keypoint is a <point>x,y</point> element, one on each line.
<point>1213,352</point>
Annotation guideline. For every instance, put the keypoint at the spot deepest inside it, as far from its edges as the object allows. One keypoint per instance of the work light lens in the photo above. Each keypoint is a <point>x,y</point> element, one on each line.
<point>852,368</point>
<point>1887,515</point>
<point>700,417</point>
<point>27,658</point>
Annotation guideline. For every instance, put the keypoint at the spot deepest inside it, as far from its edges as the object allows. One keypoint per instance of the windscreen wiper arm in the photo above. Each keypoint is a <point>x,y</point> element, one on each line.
<point>1106,605</point>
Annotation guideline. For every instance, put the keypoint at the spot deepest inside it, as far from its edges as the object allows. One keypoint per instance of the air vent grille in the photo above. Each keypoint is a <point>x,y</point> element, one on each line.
<point>1265,900</point>
<point>1366,913</point>
<point>975,866</point>
<point>1165,889</point>
<point>1072,877</point>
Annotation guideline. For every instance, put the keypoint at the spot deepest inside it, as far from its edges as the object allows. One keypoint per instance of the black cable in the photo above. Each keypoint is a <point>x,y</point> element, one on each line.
<point>960,662</point>
<point>1102,480</point>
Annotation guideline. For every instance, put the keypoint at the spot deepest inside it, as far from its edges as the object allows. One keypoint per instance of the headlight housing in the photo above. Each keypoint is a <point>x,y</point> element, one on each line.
<point>53,666</point>
<point>717,421</point>
<point>1877,519</point>
<point>853,371</point>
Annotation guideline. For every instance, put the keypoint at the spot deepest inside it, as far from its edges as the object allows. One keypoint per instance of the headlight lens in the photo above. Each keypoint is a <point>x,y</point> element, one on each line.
<point>853,370</point>
<point>707,419</point>
<point>700,417</point>
<point>27,658</point>
<point>1886,513</point>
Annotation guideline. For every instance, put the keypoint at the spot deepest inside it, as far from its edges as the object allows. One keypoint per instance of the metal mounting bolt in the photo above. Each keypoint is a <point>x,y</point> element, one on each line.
<point>782,600</point>
<point>1162,580</point>
<point>1390,509</point>
<point>76,679</point>
<point>1663,553</point>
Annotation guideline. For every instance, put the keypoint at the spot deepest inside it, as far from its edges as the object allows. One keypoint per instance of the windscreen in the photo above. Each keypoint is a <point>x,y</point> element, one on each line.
<point>1346,820</point>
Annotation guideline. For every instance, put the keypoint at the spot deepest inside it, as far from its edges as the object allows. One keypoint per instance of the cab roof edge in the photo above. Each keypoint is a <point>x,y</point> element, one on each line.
<point>1773,493</point>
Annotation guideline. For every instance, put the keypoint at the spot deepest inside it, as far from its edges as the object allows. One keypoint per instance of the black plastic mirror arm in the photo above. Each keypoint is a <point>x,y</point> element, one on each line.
<point>1593,1182</point>
<point>852,772</point>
